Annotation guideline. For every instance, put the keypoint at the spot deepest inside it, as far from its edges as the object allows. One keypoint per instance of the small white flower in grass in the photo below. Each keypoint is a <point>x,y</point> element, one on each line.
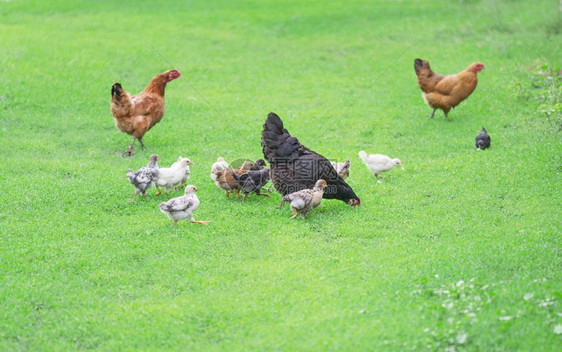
<point>547,302</point>
<point>528,296</point>
<point>460,283</point>
<point>558,329</point>
<point>506,318</point>
<point>450,349</point>
<point>448,305</point>
<point>461,338</point>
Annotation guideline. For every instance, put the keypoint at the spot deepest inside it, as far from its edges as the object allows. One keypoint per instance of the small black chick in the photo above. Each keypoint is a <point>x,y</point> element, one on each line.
<point>258,164</point>
<point>253,181</point>
<point>483,140</point>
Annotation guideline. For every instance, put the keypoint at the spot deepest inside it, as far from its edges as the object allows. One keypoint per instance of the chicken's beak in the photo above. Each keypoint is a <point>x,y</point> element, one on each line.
<point>190,162</point>
<point>354,202</point>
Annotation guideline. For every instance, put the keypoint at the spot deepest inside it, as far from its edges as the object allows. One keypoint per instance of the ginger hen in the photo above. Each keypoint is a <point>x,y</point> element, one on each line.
<point>446,92</point>
<point>136,114</point>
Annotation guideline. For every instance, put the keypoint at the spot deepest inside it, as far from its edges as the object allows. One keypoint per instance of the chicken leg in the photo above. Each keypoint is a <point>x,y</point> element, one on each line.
<point>432,114</point>
<point>295,213</point>
<point>129,150</point>
<point>134,195</point>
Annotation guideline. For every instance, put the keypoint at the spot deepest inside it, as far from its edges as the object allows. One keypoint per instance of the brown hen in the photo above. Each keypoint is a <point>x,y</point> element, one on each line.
<point>445,92</point>
<point>136,114</point>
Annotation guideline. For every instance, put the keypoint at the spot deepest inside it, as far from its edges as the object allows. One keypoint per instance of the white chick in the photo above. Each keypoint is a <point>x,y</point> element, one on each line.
<point>180,208</point>
<point>378,163</point>
<point>187,172</point>
<point>171,177</point>
<point>219,165</point>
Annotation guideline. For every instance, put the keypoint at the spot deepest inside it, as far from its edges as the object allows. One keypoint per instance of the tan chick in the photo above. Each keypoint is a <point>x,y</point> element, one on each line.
<point>306,199</point>
<point>225,180</point>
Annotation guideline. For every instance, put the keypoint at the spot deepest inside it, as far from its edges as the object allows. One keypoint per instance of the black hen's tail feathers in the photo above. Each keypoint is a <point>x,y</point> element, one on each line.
<point>274,123</point>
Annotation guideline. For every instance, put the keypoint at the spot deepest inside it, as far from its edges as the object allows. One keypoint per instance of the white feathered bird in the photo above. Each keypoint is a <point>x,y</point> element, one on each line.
<point>187,171</point>
<point>180,208</point>
<point>171,177</point>
<point>378,163</point>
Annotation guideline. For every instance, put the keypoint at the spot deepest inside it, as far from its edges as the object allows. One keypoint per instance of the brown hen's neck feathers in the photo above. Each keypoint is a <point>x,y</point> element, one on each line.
<point>158,84</point>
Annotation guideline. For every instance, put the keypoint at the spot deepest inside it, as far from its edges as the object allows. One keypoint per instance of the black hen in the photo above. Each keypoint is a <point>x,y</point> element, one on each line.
<point>295,167</point>
<point>483,140</point>
<point>253,181</point>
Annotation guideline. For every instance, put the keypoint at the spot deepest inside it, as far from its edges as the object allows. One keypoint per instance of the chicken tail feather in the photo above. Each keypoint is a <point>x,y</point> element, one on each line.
<point>418,65</point>
<point>274,123</point>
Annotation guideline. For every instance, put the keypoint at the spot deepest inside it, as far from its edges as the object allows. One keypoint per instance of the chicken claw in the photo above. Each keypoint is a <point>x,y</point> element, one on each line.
<point>295,213</point>
<point>200,222</point>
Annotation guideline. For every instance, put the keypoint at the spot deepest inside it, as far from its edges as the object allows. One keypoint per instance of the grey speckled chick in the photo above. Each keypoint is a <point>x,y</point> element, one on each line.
<point>144,178</point>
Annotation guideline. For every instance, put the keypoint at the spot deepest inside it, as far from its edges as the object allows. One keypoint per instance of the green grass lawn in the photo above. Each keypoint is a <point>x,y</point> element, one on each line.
<point>461,251</point>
